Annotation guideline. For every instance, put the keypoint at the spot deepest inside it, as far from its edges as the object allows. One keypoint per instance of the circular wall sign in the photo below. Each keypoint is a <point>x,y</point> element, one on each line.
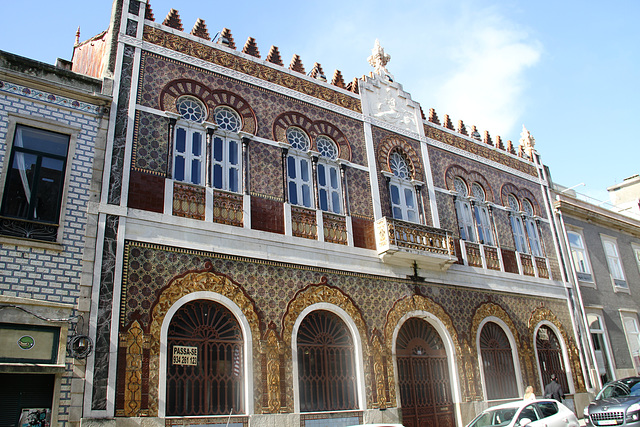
<point>26,342</point>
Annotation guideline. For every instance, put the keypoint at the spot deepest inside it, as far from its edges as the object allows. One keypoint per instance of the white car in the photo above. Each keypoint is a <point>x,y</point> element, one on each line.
<point>533,413</point>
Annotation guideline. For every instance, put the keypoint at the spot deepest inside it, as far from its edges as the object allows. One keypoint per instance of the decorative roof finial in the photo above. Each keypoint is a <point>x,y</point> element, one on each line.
<point>78,36</point>
<point>527,142</point>
<point>379,59</point>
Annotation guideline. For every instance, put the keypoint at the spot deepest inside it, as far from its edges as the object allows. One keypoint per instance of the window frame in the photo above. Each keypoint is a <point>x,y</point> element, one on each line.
<point>531,229</point>
<point>464,212</point>
<point>604,342</point>
<point>517,225</point>
<point>13,121</point>
<point>329,165</point>
<point>190,128</point>
<point>301,158</point>
<point>619,283</point>
<point>582,275</point>
<point>629,335</point>
<point>227,138</point>
<point>403,184</point>
<point>483,221</point>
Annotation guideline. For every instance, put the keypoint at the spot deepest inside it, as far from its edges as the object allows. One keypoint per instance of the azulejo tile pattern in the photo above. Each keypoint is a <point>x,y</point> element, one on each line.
<point>150,144</point>
<point>271,287</point>
<point>237,63</point>
<point>360,202</point>
<point>475,148</point>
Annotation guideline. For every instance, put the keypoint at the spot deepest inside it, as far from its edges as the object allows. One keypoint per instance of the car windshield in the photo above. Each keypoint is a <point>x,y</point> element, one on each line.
<point>623,388</point>
<point>494,417</point>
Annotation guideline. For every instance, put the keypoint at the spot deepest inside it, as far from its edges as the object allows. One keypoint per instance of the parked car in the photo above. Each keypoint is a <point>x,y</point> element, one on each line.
<point>617,404</point>
<point>533,413</point>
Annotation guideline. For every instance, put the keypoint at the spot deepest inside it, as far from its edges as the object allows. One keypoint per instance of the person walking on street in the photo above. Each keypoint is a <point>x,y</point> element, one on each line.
<point>553,390</point>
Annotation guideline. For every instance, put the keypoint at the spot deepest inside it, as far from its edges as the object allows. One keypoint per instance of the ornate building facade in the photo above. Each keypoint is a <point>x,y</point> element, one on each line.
<point>277,247</point>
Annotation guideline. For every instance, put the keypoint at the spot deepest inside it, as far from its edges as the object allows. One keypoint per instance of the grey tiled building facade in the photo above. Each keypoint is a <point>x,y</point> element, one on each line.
<point>52,135</point>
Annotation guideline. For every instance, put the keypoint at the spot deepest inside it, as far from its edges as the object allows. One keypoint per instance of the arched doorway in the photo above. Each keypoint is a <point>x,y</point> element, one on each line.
<point>550,358</point>
<point>204,361</point>
<point>423,376</point>
<point>326,365</point>
<point>497,363</point>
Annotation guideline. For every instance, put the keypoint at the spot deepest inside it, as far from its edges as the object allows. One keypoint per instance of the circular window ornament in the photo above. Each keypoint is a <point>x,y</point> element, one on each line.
<point>527,207</point>
<point>460,187</point>
<point>191,109</point>
<point>478,192</point>
<point>298,139</point>
<point>513,203</point>
<point>326,147</point>
<point>26,342</point>
<point>227,119</point>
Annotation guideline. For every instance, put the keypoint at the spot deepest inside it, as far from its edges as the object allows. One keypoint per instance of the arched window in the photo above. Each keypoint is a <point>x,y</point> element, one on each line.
<point>329,193</point>
<point>497,363</point>
<point>403,194</point>
<point>226,155</point>
<point>485,231</point>
<point>532,228</point>
<point>463,211</point>
<point>326,364</point>
<point>550,357</point>
<point>189,145</point>
<point>205,361</point>
<point>517,225</point>
<point>299,168</point>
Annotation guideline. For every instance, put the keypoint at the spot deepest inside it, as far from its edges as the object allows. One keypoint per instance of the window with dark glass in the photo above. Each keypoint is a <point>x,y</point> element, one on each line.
<point>34,184</point>
<point>497,363</point>
<point>326,364</point>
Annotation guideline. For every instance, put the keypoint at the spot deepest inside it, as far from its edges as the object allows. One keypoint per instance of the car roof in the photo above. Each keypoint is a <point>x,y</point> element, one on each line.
<point>519,404</point>
<point>626,381</point>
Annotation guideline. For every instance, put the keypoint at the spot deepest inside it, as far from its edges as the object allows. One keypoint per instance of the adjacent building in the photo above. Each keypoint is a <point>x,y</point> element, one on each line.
<point>53,125</point>
<point>602,249</point>
<point>279,246</point>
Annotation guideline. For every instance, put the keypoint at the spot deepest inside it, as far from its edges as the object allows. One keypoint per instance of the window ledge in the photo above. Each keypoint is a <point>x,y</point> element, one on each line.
<point>51,246</point>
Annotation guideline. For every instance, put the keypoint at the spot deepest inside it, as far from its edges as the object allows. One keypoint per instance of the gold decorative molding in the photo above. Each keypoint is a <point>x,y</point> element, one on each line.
<point>134,342</point>
<point>314,294</point>
<point>272,349</point>
<point>543,313</point>
<point>185,285</point>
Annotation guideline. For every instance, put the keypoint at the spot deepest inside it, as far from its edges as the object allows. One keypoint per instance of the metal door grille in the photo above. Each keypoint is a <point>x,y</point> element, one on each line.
<point>497,363</point>
<point>423,376</point>
<point>214,385</point>
<point>326,370</point>
<point>550,357</point>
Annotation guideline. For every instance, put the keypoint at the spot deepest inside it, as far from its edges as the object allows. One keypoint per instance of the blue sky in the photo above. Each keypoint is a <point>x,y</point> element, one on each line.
<point>568,70</point>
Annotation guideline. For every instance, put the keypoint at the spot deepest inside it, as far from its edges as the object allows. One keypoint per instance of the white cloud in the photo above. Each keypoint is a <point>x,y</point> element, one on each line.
<point>486,82</point>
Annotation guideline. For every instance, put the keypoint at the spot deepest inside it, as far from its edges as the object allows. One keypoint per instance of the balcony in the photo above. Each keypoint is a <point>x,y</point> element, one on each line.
<point>403,243</point>
<point>509,261</point>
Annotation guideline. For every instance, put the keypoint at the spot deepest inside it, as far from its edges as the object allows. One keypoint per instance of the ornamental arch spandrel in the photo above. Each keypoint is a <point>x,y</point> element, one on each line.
<point>326,296</point>
<point>486,311</point>
<point>203,285</point>
<point>421,306</point>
